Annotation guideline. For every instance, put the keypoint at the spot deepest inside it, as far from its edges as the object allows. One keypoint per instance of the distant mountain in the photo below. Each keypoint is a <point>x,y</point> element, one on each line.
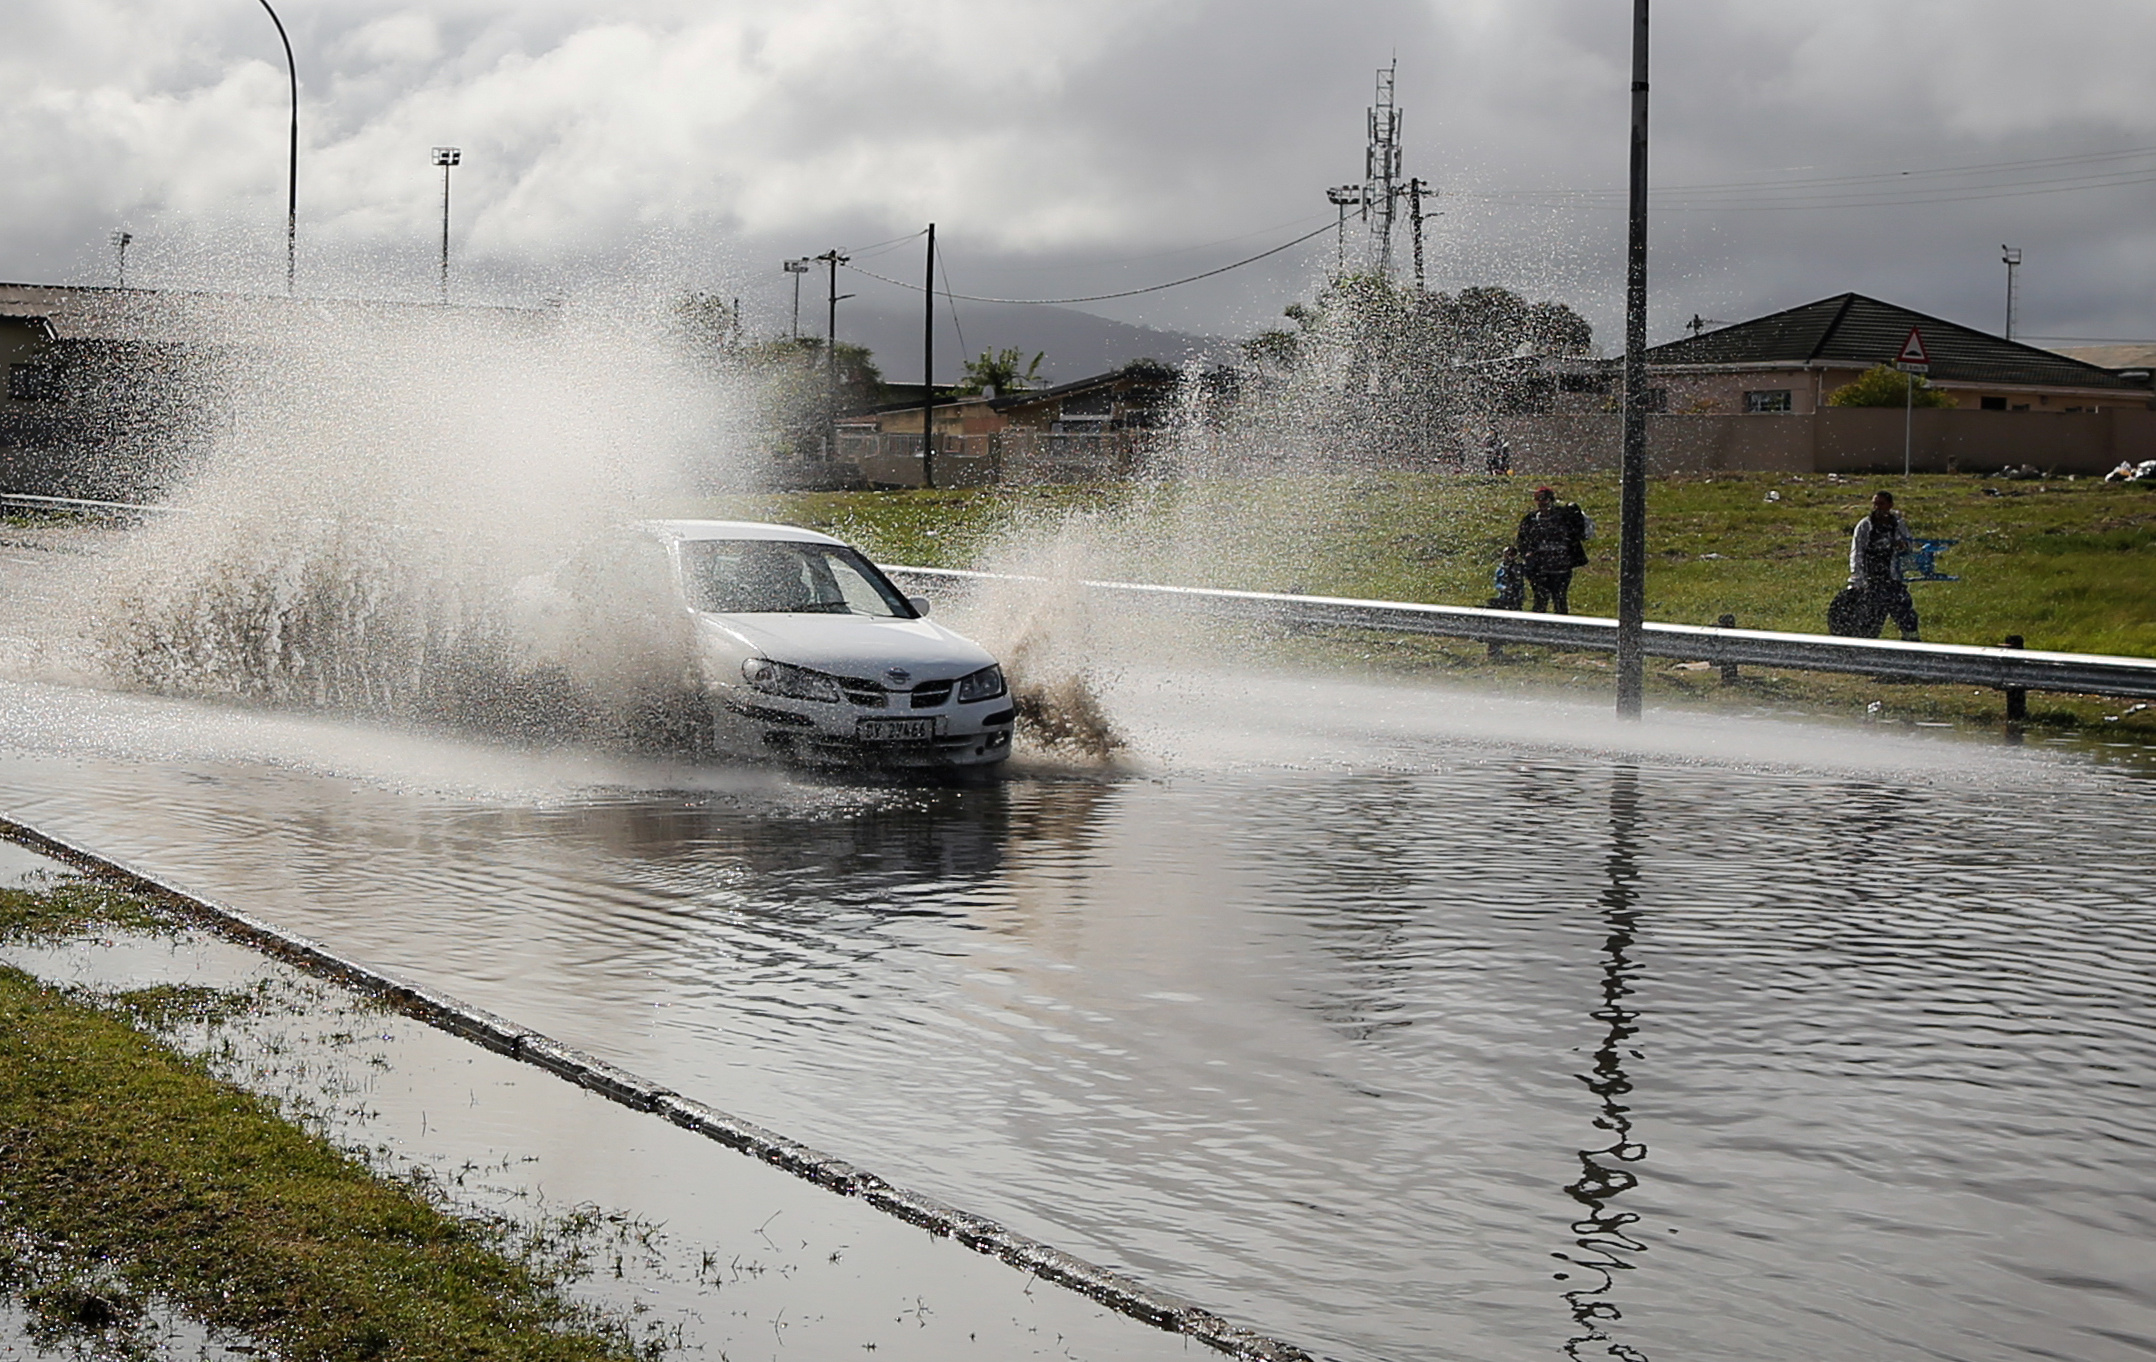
<point>1078,344</point>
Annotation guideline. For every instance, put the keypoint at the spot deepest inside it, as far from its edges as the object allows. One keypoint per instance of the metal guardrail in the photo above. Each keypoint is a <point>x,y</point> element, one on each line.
<point>86,505</point>
<point>2013,670</point>
<point>2006,669</point>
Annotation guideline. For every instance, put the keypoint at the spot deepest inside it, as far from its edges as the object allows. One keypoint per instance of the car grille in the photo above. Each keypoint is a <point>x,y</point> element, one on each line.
<point>869,695</point>
<point>866,694</point>
<point>932,694</point>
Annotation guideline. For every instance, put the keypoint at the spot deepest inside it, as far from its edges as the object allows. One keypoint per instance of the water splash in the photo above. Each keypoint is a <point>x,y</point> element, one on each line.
<point>364,534</point>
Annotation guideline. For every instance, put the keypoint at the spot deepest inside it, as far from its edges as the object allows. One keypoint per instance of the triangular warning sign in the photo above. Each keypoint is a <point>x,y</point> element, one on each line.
<point>1912,349</point>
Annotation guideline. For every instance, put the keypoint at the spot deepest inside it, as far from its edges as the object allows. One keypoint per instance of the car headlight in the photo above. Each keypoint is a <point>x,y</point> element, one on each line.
<point>777,678</point>
<point>985,684</point>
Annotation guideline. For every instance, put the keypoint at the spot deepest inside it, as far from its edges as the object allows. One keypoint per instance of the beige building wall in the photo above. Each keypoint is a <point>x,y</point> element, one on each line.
<point>1842,439</point>
<point>1724,393</point>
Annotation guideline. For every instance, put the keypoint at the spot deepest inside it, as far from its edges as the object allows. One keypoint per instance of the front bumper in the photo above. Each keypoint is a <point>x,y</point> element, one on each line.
<point>752,723</point>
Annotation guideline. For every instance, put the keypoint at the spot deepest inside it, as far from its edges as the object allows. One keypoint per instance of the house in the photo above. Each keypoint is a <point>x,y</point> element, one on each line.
<point>1098,427</point>
<point>92,406</point>
<point>1790,362</point>
<point>1755,396</point>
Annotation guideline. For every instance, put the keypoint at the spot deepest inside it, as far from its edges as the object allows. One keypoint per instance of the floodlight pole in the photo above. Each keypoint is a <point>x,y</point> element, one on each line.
<point>2011,257</point>
<point>1632,516</point>
<point>797,268</point>
<point>291,174</point>
<point>1340,197</point>
<point>445,157</point>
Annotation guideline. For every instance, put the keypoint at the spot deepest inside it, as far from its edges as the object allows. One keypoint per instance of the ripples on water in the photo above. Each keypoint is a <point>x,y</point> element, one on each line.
<point>1439,1050</point>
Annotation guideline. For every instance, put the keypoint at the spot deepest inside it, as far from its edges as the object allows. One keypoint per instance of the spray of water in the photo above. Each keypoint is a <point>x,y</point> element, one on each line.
<point>366,532</point>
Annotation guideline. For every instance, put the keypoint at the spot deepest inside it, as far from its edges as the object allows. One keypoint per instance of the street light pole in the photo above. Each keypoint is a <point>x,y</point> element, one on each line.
<point>1632,515</point>
<point>291,174</point>
<point>119,245</point>
<point>1340,198</point>
<point>445,157</point>
<point>2011,258</point>
<point>797,268</point>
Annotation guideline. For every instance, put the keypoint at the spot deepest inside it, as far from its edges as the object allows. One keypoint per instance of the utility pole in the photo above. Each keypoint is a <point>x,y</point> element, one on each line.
<point>830,348</point>
<point>1381,164</point>
<point>1632,515</point>
<point>291,174</point>
<point>2012,259</point>
<point>119,245</point>
<point>445,157</point>
<point>1417,191</point>
<point>797,268</point>
<point>928,367</point>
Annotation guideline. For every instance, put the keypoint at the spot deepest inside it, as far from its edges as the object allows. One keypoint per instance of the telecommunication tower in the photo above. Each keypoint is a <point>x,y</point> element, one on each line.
<point>1381,166</point>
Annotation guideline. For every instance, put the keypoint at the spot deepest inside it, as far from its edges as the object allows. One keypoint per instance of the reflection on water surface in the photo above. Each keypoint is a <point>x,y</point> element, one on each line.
<point>1434,1048</point>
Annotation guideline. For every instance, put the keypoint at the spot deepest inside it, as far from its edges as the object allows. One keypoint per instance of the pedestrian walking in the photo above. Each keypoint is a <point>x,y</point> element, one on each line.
<point>1550,544</point>
<point>1876,592</point>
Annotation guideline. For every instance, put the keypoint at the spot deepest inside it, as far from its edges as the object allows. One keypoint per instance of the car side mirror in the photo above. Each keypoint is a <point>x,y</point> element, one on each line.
<point>919,604</point>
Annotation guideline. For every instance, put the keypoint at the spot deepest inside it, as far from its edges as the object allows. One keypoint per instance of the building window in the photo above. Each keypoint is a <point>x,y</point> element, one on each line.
<point>1992,403</point>
<point>32,383</point>
<point>1770,400</point>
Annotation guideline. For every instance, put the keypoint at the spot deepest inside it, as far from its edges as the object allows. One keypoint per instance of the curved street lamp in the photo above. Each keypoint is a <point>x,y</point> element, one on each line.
<point>291,178</point>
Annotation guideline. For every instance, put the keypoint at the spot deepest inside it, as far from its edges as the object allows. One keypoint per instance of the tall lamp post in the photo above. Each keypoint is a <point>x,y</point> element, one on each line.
<point>445,157</point>
<point>1340,197</point>
<point>797,268</point>
<point>1632,514</point>
<point>2011,258</point>
<point>119,246</point>
<point>291,171</point>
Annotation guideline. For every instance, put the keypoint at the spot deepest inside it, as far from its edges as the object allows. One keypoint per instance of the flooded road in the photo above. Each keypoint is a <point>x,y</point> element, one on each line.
<point>1394,1021</point>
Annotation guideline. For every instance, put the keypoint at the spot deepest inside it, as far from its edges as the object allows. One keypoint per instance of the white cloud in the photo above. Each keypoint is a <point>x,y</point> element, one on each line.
<point>1044,136</point>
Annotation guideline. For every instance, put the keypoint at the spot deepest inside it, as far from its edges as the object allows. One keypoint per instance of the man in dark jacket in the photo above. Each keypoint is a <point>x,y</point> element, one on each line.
<point>1550,546</point>
<point>1876,591</point>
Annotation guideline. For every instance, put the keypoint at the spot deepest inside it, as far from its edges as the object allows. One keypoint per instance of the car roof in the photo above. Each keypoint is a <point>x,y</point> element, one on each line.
<point>733,529</point>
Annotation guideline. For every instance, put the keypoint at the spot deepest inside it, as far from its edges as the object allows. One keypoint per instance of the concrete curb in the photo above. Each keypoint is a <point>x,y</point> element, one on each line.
<point>458,1018</point>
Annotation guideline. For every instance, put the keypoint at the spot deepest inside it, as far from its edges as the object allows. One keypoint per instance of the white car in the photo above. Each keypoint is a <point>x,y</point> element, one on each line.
<point>806,652</point>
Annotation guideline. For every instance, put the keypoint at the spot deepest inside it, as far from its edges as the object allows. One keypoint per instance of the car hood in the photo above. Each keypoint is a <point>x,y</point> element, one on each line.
<point>854,645</point>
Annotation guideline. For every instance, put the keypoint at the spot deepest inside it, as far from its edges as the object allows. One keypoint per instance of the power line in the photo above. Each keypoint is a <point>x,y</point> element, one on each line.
<point>1103,297</point>
<point>943,263</point>
<point>1266,230</point>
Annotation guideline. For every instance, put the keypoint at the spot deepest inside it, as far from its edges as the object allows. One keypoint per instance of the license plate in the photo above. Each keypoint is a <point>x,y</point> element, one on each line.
<point>895,730</point>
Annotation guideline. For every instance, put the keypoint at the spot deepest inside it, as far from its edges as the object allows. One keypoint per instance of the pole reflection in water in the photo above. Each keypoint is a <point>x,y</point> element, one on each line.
<point>1603,1234</point>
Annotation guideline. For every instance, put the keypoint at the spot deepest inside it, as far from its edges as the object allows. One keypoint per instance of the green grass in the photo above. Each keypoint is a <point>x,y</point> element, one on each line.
<point>2070,566</point>
<point>70,907</point>
<point>134,1168</point>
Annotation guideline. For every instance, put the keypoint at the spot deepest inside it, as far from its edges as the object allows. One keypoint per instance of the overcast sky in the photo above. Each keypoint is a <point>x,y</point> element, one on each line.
<point>1080,146</point>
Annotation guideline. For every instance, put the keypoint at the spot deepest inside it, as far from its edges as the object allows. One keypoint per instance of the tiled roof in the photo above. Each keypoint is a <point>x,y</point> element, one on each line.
<point>1859,331</point>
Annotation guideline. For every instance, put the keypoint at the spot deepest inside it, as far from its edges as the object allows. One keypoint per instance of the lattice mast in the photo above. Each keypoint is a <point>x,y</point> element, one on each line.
<point>1381,167</point>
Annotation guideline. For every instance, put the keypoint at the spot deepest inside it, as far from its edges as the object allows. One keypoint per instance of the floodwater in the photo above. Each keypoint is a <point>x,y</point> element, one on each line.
<point>1395,1021</point>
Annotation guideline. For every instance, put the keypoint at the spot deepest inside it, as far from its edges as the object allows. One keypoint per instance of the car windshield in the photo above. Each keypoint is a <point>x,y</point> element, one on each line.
<point>772,576</point>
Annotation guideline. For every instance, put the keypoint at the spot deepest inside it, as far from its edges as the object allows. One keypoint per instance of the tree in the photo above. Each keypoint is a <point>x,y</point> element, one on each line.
<point>999,369</point>
<point>1883,385</point>
<point>705,324</point>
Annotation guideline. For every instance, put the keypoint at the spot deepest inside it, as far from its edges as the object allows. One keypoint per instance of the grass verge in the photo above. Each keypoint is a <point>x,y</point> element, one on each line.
<point>129,1164</point>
